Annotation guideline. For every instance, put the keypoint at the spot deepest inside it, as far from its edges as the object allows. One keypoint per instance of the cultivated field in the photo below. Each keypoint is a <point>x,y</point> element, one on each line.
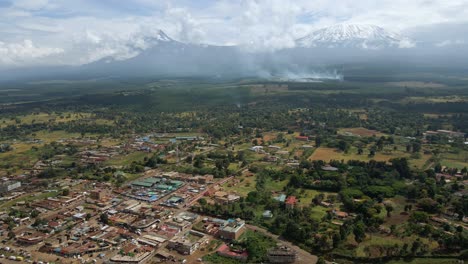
<point>360,131</point>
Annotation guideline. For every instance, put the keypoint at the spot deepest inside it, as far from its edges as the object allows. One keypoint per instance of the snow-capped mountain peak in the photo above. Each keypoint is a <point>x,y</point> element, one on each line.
<point>353,36</point>
<point>162,36</point>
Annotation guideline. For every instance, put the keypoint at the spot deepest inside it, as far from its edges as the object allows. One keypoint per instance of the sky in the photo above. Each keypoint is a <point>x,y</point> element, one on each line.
<point>74,32</point>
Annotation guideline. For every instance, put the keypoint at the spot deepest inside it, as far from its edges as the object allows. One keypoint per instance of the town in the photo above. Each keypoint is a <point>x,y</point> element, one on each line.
<point>300,182</point>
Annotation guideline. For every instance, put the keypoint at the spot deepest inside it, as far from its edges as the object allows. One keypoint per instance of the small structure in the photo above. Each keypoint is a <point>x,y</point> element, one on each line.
<point>225,198</point>
<point>267,214</point>
<point>256,148</point>
<point>232,230</point>
<point>96,194</point>
<point>225,251</point>
<point>282,254</point>
<point>187,244</point>
<point>290,202</point>
<point>8,186</point>
<point>302,138</point>
<point>329,168</point>
<point>280,198</point>
<point>340,214</point>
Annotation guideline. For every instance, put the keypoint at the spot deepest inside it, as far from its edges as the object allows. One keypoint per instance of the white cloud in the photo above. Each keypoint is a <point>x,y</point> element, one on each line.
<point>450,43</point>
<point>87,30</point>
<point>17,53</point>
<point>30,4</point>
<point>406,43</point>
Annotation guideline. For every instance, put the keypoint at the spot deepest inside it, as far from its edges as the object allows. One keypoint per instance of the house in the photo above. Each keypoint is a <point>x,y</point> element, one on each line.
<point>256,149</point>
<point>290,202</point>
<point>232,230</point>
<point>8,186</point>
<point>267,214</point>
<point>302,138</point>
<point>186,244</point>
<point>326,204</point>
<point>133,254</point>
<point>282,254</point>
<point>225,251</point>
<point>281,198</point>
<point>329,168</point>
<point>282,152</point>
<point>340,214</point>
<point>30,238</point>
<point>225,198</point>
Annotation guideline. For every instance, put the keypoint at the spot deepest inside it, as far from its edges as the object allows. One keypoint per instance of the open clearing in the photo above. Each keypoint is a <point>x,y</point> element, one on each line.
<point>415,84</point>
<point>327,154</point>
<point>360,131</point>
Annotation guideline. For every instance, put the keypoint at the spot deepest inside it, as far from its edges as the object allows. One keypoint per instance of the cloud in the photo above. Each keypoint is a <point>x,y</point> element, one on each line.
<point>16,53</point>
<point>30,4</point>
<point>88,30</point>
<point>450,43</point>
<point>406,44</point>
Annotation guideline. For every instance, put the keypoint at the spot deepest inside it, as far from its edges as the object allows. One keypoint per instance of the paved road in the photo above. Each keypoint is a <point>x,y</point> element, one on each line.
<point>304,257</point>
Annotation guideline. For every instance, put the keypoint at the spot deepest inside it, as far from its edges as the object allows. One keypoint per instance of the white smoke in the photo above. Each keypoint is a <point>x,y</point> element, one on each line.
<point>306,76</point>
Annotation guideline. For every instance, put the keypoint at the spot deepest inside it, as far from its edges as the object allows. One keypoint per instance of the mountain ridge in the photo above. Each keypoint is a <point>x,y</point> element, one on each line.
<point>364,36</point>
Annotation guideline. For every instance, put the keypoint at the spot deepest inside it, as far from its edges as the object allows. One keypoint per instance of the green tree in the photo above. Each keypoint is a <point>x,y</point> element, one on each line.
<point>66,192</point>
<point>104,218</point>
<point>389,209</point>
<point>359,232</point>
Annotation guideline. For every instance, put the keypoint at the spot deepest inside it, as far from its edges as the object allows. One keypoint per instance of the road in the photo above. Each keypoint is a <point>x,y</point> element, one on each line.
<point>304,257</point>
<point>220,182</point>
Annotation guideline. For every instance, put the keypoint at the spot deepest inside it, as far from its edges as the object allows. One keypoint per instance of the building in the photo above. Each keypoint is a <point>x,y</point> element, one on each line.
<point>225,198</point>
<point>267,214</point>
<point>282,254</point>
<point>227,252</point>
<point>281,198</point>
<point>290,202</point>
<point>329,168</point>
<point>232,230</point>
<point>340,214</point>
<point>186,244</point>
<point>96,194</point>
<point>8,186</point>
<point>30,238</point>
<point>256,149</point>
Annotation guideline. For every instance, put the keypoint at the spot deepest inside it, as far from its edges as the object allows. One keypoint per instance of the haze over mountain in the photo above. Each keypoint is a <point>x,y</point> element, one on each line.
<point>313,56</point>
<point>354,36</point>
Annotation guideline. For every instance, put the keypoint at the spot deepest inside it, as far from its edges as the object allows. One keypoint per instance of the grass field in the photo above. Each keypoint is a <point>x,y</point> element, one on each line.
<point>360,131</point>
<point>242,186</point>
<point>127,159</point>
<point>305,196</point>
<point>28,198</point>
<point>425,261</point>
<point>50,136</point>
<point>318,212</point>
<point>327,154</point>
<point>455,160</point>
<point>373,241</point>
<point>44,118</point>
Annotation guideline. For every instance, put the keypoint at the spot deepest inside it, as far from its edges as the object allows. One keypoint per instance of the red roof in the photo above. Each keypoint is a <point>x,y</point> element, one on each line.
<point>54,224</point>
<point>291,200</point>
<point>224,249</point>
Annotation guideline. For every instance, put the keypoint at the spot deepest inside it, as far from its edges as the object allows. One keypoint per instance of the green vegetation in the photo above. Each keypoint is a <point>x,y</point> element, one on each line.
<point>371,176</point>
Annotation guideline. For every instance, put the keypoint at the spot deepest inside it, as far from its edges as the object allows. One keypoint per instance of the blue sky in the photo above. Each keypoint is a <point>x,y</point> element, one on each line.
<point>81,31</point>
